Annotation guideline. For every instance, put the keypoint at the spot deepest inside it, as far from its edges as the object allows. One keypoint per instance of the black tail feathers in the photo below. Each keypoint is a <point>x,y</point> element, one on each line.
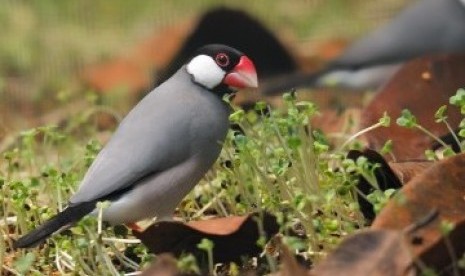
<point>64,219</point>
<point>294,80</point>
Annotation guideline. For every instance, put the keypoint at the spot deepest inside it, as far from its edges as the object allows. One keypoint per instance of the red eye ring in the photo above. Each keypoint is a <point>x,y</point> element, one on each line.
<point>222,59</point>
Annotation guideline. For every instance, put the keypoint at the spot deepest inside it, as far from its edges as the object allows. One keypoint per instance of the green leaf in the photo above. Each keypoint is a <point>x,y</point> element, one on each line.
<point>307,108</point>
<point>294,142</point>
<point>459,98</point>
<point>462,133</point>
<point>319,147</point>
<point>289,97</point>
<point>448,152</point>
<point>385,121</point>
<point>440,114</point>
<point>430,155</point>
<point>295,243</point>
<point>205,244</point>
<point>446,227</point>
<point>237,116</point>
<point>387,147</point>
<point>260,106</point>
<point>188,263</point>
<point>23,264</point>
<point>406,119</point>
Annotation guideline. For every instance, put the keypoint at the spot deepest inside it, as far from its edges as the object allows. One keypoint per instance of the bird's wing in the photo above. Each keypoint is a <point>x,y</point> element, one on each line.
<point>426,27</point>
<point>143,144</point>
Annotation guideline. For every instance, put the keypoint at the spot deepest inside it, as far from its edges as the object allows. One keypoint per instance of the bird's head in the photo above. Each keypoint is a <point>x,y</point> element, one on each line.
<point>222,69</point>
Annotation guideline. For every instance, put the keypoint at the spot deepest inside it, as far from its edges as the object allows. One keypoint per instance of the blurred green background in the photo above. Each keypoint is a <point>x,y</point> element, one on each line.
<point>45,45</point>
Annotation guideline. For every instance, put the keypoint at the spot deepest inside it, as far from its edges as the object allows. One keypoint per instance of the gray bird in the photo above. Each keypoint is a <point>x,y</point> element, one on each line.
<point>162,148</point>
<point>423,28</point>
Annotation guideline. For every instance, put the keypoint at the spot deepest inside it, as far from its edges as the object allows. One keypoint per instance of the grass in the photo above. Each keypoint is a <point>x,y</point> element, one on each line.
<point>277,162</point>
<point>275,165</point>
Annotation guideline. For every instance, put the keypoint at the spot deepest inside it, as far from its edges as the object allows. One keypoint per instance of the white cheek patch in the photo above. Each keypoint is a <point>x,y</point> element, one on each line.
<point>463,2</point>
<point>205,71</point>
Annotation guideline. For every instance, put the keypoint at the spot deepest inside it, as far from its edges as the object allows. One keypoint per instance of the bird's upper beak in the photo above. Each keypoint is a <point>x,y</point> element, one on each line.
<point>243,75</point>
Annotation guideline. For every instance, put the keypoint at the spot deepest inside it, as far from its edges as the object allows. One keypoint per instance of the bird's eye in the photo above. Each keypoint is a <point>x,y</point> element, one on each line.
<point>222,59</point>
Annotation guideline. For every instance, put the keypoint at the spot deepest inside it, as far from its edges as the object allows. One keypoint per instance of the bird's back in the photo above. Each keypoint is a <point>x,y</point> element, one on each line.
<point>152,137</point>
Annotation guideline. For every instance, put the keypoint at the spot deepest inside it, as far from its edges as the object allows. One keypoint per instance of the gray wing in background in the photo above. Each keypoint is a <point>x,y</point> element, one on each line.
<point>428,26</point>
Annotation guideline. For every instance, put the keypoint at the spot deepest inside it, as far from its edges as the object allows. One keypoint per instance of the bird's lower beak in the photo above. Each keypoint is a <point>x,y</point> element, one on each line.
<point>243,75</point>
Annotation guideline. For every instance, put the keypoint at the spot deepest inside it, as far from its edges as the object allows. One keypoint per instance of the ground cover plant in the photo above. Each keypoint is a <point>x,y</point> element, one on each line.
<point>274,160</point>
<point>276,163</point>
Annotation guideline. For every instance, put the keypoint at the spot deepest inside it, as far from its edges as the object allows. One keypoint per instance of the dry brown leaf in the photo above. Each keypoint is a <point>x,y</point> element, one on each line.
<point>409,89</point>
<point>233,237</point>
<point>133,71</point>
<point>164,265</point>
<point>370,252</point>
<point>441,189</point>
<point>289,265</point>
<point>406,170</point>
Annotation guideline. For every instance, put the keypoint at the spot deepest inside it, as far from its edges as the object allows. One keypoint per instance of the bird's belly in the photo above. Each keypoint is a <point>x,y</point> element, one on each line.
<point>157,195</point>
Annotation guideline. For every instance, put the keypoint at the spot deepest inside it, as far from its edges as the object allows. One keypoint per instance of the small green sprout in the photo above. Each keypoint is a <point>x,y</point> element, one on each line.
<point>387,147</point>
<point>237,116</point>
<point>446,227</point>
<point>385,121</point>
<point>380,198</point>
<point>207,245</point>
<point>459,100</point>
<point>188,264</point>
<point>440,115</point>
<point>24,263</point>
<point>407,119</point>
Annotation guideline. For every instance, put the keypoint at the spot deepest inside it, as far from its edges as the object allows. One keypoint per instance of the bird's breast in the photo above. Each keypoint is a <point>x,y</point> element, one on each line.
<point>208,127</point>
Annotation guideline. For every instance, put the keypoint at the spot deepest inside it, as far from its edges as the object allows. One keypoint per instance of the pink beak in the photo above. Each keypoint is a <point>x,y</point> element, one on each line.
<point>243,75</point>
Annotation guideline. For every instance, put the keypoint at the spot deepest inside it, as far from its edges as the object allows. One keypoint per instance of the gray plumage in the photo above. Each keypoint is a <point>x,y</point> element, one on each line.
<point>426,27</point>
<point>163,146</point>
<point>423,28</point>
<point>172,136</point>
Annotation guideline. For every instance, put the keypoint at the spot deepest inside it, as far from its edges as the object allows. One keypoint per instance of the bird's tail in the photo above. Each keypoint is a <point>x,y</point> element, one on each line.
<point>63,219</point>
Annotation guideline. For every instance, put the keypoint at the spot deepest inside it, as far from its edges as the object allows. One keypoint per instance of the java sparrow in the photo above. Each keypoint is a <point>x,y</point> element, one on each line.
<point>423,28</point>
<point>162,148</point>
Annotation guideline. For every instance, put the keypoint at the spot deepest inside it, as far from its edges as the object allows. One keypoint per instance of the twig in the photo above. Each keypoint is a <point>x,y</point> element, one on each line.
<point>11,270</point>
<point>201,211</point>
<point>9,221</point>
<point>358,134</point>
<point>127,241</point>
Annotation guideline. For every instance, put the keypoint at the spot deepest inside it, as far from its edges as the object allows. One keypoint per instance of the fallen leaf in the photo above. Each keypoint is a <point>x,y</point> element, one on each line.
<point>409,90</point>
<point>406,170</point>
<point>164,265</point>
<point>369,252</point>
<point>440,188</point>
<point>122,73</point>
<point>232,237</point>
<point>132,71</point>
<point>289,265</point>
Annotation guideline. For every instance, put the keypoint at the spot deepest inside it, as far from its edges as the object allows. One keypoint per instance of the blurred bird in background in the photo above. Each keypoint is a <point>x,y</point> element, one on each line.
<point>426,27</point>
